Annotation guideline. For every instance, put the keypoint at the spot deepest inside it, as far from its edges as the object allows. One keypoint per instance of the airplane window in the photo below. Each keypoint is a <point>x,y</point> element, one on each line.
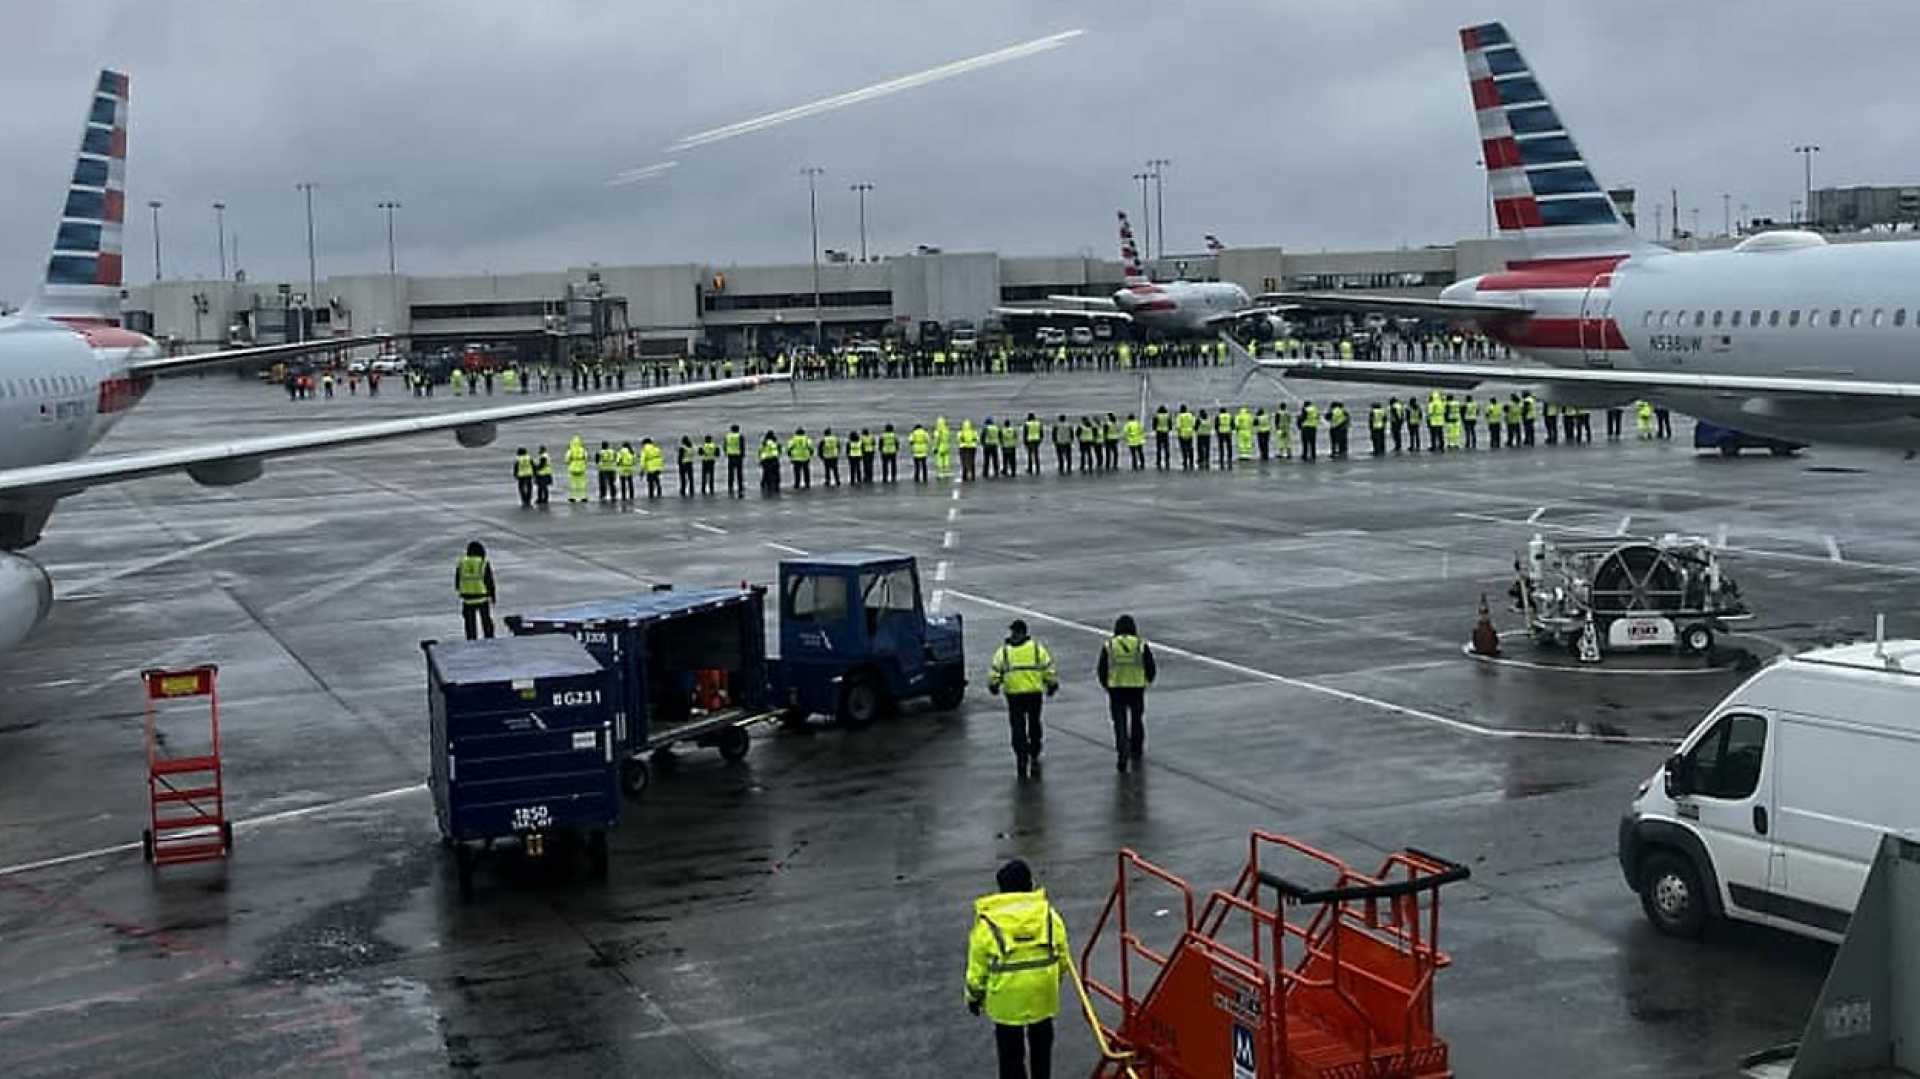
<point>1793,317</point>
<point>1854,319</point>
<point>1735,321</point>
<point>1754,319</point>
<point>1899,316</point>
<point>1647,319</point>
<point>1699,318</point>
<point>1773,317</point>
<point>1879,316</point>
<point>1718,317</point>
<point>1665,316</point>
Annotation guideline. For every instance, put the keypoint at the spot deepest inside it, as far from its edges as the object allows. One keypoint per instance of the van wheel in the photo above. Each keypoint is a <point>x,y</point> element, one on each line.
<point>634,777</point>
<point>1672,896</point>
<point>948,697</point>
<point>733,744</point>
<point>1696,639</point>
<point>862,702</point>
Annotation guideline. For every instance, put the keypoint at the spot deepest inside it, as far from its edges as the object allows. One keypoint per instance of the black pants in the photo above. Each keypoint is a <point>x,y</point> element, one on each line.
<point>1016,1044</point>
<point>1009,461</point>
<point>1137,455</point>
<point>889,467</point>
<point>542,485</point>
<point>1063,458</point>
<point>706,477</point>
<point>1396,436</point>
<point>606,483</point>
<point>1493,435</point>
<point>1526,427</point>
<point>919,470</point>
<point>1204,451</point>
<point>686,480</point>
<point>1379,440</point>
<point>802,474</point>
<point>1224,439</point>
<point>1128,708</point>
<point>477,616</point>
<point>626,488</point>
<point>831,465</point>
<point>1613,423</point>
<point>1513,433</point>
<point>653,485</point>
<point>1162,452</point>
<point>770,476</point>
<point>1310,443</point>
<point>1186,455</point>
<point>526,489</point>
<point>1436,437</point>
<point>1033,458</point>
<point>966,463</point>
<point>1023,717</point>
<point>1473,434</point>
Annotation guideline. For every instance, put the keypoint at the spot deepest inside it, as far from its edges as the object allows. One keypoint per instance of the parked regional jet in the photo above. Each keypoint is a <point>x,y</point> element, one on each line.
<point>69,371</point>
<point>1783,335</point>
<point>1175,308</point>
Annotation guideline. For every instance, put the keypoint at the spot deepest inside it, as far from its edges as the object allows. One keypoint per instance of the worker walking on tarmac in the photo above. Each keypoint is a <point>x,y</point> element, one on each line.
<point>1023,668</point>
<point>576,470</point>
<point>1016,954</point>
<point>523,475</point>
<point>473,581</point>
<point>735,445</point>
<point>1125,671</point>
<point>542,476</point>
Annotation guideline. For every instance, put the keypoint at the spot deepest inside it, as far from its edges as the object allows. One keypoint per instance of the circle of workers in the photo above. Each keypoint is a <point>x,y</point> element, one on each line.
<point>1204,440</point>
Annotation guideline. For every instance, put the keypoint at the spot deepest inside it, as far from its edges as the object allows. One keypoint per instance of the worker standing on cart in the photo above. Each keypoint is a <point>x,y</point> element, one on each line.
<point>1016,954</point>
<point>1126,670</point>
<point>473,580</point>
<point>1024,669</point>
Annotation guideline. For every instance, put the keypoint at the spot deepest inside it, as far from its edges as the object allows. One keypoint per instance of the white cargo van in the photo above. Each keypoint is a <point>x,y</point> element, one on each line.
<point>1774,806</point>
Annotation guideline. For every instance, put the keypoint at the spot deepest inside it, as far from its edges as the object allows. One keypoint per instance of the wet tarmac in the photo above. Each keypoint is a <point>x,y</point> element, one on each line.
<point>804,912</point>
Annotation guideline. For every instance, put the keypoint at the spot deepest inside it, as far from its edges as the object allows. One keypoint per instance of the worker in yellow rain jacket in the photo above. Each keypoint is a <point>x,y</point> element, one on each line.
<point>1016,955</point>
<point>576,470</point>
<point>652,462</point>
<point>1243,432</point>
<point>942,449</point>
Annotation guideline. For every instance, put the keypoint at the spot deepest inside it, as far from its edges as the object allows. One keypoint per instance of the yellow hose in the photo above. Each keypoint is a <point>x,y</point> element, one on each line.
<point>1107,1052</point>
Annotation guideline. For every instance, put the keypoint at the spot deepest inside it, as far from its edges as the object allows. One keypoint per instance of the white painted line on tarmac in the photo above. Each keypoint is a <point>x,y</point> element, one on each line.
<point>1534,517</point>
<point>355,579</point>
<point>933,603</point>
<point>1833,549</point>
<point>1625,523</point>
<point>953,514</point>
<point>1720,538</point>
<point>956,491</point>
<point>152,563</point>
<point>705,527</point>
<point>940,571</point>
<point>946,540</point>
<point>238,825</point>
<point>789,550</point>
<point>1461,726</point>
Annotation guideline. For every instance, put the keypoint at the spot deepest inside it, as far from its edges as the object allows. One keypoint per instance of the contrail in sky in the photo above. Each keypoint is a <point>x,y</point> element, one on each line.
<point>878,90</point>
<point>634,176</point>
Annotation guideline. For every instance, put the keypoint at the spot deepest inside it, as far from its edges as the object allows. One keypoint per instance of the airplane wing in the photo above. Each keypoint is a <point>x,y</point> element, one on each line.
<point>1062,312</point>
<point>161,365</point>
<point>1262,311</point>
<point>1405,306</point>
<point>1471,374</point>
<point>1084,301</point>
<point>238,460</point>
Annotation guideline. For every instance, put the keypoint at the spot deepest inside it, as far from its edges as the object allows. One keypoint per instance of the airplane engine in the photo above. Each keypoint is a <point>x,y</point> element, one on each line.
<point>26,595</point>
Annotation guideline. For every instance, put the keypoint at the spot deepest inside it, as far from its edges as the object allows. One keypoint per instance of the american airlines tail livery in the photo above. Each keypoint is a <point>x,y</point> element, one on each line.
<point>69,371</point>
<point>1784,335</point>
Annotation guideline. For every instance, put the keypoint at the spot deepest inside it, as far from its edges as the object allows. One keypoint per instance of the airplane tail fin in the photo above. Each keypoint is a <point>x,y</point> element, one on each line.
<point>1130,267</point>
<point>1546,200</point>
<point>84,275</point>
<point>1214,246</point>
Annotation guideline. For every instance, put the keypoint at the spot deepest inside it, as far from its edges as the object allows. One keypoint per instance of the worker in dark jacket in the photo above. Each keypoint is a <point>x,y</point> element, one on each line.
<point>1126,670</point>
<point>473,580</point>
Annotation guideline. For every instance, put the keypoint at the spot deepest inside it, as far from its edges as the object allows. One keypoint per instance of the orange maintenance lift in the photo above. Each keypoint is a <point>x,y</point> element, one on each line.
<point>188,816</point>
<point>1326,973</point>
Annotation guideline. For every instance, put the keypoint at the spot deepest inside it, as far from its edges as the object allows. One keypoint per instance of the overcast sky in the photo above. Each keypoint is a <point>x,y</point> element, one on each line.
<point>1307,123</point>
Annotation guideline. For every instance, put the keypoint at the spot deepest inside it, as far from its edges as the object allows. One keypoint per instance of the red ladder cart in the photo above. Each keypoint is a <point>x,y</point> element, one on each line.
<point>187,821</point>
<point>1325,974</point>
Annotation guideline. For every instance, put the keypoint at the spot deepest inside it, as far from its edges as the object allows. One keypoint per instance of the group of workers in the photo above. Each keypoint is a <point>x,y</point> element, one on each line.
<point>997,448</point>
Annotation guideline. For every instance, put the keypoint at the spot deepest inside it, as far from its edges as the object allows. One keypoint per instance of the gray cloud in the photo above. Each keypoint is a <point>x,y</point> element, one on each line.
<point>497,122</point>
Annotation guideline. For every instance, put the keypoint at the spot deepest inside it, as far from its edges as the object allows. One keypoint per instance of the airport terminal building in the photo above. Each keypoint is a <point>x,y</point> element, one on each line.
<point>683,308</point>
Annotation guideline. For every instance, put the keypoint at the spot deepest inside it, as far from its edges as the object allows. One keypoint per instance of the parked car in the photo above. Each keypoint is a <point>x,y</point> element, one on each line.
<point>387,365</point>
<point>1082,335</point>
<point>1729,442</point>
<point>1773,808</point>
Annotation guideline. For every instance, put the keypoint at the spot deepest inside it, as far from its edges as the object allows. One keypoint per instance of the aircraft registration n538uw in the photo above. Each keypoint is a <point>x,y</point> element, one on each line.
<point>1175,308</point>
<point>1783,335</point>
<point>69,371</point>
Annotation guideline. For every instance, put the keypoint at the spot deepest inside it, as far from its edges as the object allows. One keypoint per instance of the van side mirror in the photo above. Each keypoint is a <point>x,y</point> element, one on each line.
<point>1679,775</point>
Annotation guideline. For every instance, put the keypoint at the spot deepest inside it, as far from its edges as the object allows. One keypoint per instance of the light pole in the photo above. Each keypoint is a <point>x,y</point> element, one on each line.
<point>1146,220</point>
<point>1806,152</point>
<point>393,279</point>
<point>1726,210</point>
<point>313,276</point>
<point>1158,166</point>
<point>812,173</point>
<point>154,205</point>
<point>1793,211</point>
<point>220,235</point>
<point>861,189</point>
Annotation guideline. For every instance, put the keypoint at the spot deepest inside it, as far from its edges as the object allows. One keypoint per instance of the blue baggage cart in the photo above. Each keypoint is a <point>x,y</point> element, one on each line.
<point>687,667</point>
<point>523,747</point>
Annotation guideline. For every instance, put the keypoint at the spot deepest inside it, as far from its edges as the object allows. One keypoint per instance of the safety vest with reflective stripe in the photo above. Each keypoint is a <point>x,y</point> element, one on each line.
<point>1126,663</point>
<point>1136,434</point>
<point>470,579</point>
<point>1016,954</point>
<point>734,447</point>
<point>1186,423</point>
<point>1021,669</point>
<point>1033,432</point>
<point>917,442</point>
<point>523,466</point>
<point>543,465</point>
<point>1162,422</point>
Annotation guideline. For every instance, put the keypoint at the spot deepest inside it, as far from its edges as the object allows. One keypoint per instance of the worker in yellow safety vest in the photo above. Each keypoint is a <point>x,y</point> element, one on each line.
<point>523,475</point>
<point>919,443</point>
<point>542,476</point>
<point>623,463</point>
<point>769,464</point>
<point>652,462</point>
<point>1136,435</point>
<point>969,440</point>
<point>1016,954</point>
<point>1243,432</point>
<point>576,470</point>
<point>473,581</point>
<point>1125,671</point>
<point>1023,668</point>
<point>942,449</point>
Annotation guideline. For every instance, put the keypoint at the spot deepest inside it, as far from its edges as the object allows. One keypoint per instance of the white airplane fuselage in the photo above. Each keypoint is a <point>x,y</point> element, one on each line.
<point>1180,308</point>
<point>1783,305</point>
<point>62,388</point>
